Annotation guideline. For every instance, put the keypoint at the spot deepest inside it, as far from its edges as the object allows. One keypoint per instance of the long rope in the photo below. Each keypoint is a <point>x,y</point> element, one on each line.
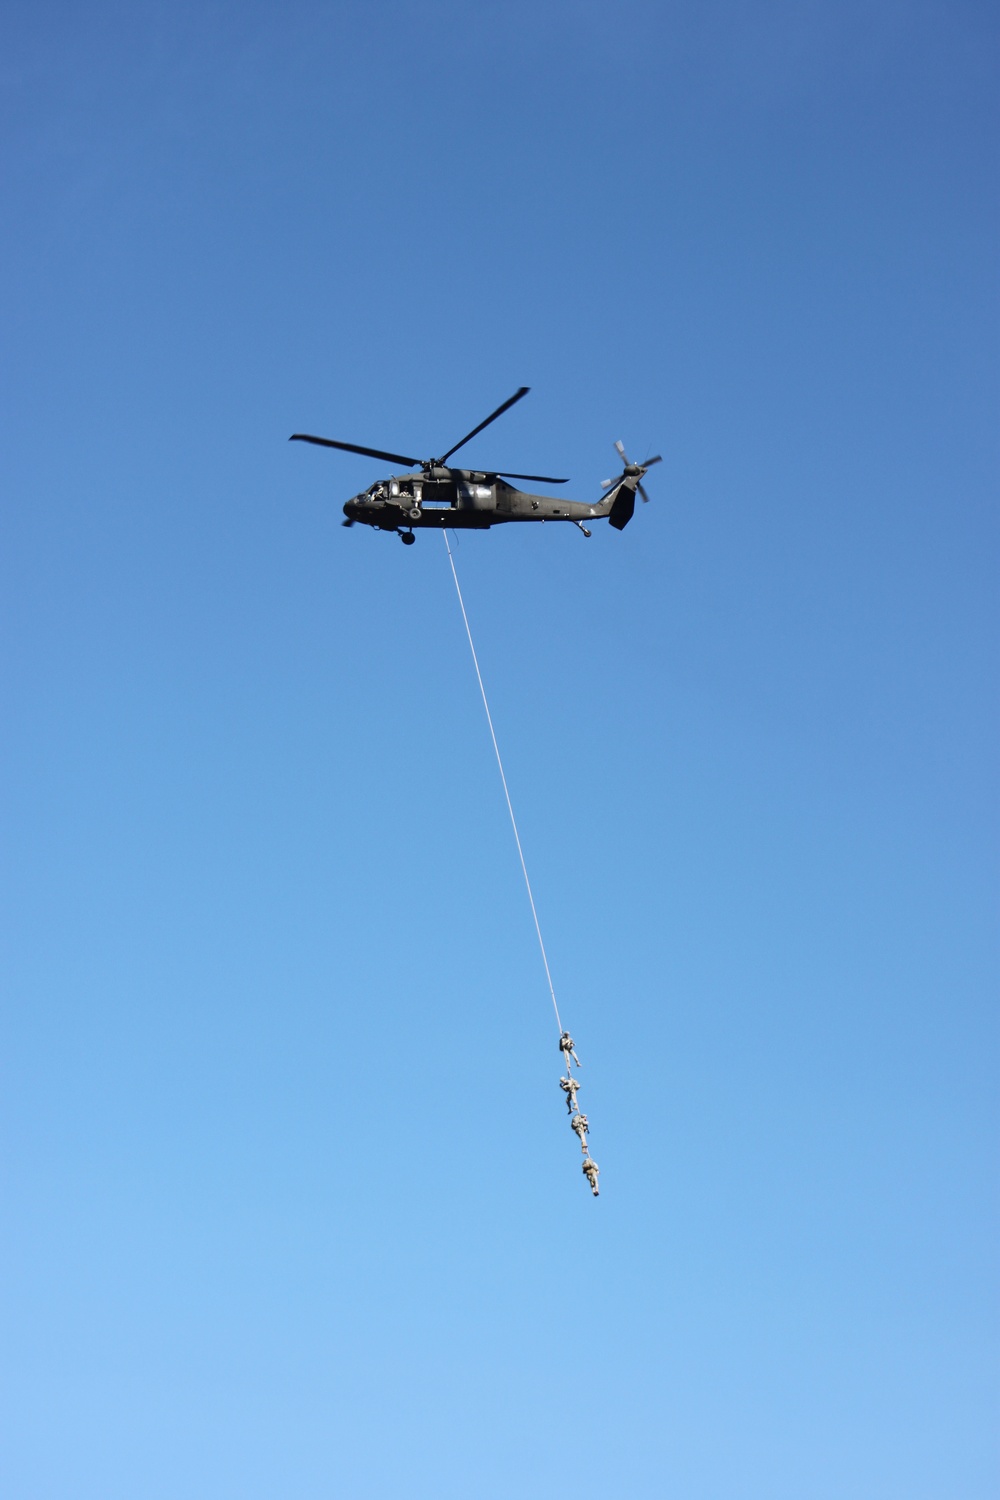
<point>503,778</point>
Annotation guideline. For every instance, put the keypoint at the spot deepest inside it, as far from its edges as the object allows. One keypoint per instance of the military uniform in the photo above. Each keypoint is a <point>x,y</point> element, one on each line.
<point>566,1045</point>
<point>569,1087</point>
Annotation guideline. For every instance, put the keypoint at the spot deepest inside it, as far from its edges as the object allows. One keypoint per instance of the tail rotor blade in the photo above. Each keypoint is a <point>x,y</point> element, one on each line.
<point>630,485</point>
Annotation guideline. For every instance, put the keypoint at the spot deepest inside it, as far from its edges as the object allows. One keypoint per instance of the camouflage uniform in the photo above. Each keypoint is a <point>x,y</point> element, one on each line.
<point>566,1046</point>
<point>569,1087</point>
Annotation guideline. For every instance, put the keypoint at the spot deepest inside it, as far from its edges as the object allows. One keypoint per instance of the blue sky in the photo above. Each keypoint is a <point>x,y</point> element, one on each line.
<point>291,1206</point>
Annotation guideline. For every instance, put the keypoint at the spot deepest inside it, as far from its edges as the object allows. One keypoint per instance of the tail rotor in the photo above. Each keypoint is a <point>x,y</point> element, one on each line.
<point>629,481</point>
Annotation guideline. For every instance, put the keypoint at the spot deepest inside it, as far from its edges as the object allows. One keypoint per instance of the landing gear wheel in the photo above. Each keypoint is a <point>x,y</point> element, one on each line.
<point>407,538</point>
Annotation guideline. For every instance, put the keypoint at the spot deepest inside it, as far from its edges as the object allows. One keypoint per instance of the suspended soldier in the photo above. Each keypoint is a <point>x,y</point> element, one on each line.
<point>590,1171</point>
<point>581,1125</point>
<point>569,1087</point>
<point>566,1046</point>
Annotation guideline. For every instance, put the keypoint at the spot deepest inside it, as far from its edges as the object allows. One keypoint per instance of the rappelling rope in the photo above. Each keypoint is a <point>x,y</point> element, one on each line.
<point>570,1085</point>
<point>503,778</point>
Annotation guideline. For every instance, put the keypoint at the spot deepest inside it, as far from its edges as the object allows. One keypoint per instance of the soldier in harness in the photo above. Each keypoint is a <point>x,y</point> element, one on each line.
<point>566,1047</point>
<point>581,1125</point>
<point>590,1171</point>
<point>569,1087</point>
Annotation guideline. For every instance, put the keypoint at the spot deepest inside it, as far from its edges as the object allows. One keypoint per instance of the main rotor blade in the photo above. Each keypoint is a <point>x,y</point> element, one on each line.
<point>542,478</point>
<point>492,418</point>
<point>390,458</point>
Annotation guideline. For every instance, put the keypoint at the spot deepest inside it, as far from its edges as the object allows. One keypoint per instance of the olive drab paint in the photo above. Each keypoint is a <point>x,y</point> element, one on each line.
<point>474,499</point>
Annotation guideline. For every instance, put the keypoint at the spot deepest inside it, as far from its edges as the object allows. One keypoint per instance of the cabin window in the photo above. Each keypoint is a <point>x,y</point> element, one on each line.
<point>475,496</point>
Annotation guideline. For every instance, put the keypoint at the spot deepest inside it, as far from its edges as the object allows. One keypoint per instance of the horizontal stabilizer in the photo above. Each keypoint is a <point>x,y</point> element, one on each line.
<point>623,509</point>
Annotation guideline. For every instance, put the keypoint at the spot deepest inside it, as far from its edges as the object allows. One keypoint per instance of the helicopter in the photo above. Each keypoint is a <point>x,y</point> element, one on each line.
<point>475,499</point>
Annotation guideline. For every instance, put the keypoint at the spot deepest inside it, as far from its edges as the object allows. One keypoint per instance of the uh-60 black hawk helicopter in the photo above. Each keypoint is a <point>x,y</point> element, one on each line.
<point>440,495</point>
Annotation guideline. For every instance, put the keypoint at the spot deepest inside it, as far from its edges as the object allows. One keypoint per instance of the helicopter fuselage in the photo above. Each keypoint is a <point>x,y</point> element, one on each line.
<point>435,495</point>
<point>461,499</point>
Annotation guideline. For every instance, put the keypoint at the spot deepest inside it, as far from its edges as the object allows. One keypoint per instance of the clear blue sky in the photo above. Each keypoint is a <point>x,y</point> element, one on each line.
<point>291,1206</point>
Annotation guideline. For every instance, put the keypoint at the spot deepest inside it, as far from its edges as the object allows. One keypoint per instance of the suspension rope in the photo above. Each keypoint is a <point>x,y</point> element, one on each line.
<point>570,1085</point>
<point>503,778</point>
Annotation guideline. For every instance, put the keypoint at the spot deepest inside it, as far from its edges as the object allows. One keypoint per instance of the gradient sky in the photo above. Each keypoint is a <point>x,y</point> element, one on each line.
<point>291,1207</point>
